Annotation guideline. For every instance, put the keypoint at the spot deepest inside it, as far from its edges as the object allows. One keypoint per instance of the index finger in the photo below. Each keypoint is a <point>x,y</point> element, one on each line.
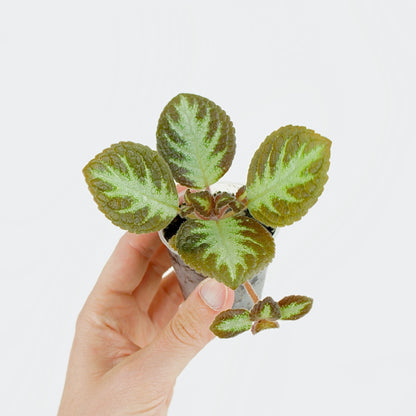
<point>128,263</point>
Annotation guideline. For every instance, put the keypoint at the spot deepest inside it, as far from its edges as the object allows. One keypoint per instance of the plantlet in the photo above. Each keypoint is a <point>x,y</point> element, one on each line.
<point>222,235</point>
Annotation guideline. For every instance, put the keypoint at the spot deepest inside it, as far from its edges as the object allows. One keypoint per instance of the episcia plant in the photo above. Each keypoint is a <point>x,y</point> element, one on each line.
<point>226,236</point>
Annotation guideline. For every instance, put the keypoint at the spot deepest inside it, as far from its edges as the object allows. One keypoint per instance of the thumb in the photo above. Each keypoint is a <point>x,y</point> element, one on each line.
<point>188,332</point>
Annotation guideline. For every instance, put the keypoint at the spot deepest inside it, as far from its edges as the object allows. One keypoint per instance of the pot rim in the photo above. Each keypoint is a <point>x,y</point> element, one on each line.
<point>165,242</point>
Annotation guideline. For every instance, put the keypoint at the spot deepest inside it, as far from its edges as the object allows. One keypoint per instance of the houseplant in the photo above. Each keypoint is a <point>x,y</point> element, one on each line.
<point>223,235</point>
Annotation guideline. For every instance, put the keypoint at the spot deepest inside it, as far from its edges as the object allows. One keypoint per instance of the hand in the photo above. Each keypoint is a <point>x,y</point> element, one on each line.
<point>132,339</point>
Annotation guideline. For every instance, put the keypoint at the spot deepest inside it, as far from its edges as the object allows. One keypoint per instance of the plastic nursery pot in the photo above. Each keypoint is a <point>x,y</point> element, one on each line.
<point>188,278</point>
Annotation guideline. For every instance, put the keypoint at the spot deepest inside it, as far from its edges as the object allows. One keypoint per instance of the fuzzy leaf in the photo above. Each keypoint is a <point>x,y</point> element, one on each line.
<point>186,211</point>
<point>237,206</point>
<point>226,205</point>
<point>265,309</point>
<point>230,323</point>
<point>201,201</point>
<point>287,174</point>
<point>230,250</point>
<point>196,138</point>
<point>294,307</point>
<point>262,325</point>
<point>241,194</point>
<point>133,186</point>
<point>223,199</point>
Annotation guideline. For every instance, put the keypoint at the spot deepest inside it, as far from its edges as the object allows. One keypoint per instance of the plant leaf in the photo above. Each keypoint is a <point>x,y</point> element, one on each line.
<point>241,194</point>
<point>227,205</point>
<point>133,187</point>
<point>287,174</point>
<point>265,309</point>
<point>262,325</point>
<point>223,199</point>
<point>294,307</point>
<point>202,202</point>
<point>187,211</point>
<point>230,250</point>
<point>230,323</point>
<point>196,138</point>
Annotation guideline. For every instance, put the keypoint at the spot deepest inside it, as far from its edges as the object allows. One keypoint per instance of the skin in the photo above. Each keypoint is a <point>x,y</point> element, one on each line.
<point>135,333</point>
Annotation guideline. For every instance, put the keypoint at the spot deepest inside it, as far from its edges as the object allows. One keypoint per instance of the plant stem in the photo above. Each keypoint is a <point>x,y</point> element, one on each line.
<point>251,291</point>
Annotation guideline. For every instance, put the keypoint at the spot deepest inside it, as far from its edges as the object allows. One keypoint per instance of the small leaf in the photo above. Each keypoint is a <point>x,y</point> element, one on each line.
<point>265,309</point>
<point>186,197</point>
<point>230,323</point>
<point>287,174</point>
<point>241,194</point>
<point>230,250</point>
<point>237,206</point>
<point>294,307</point>
<point>202,202</point>
<point>226,205</point>
<point>133,186</point>
<point>223,199</point>
<point>186,211</point>
<point>262,325</point>
<point>196,138</point>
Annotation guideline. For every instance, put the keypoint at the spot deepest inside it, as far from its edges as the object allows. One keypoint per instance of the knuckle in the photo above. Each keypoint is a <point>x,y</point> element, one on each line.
<point>186,332</point>
<point>86,319</point>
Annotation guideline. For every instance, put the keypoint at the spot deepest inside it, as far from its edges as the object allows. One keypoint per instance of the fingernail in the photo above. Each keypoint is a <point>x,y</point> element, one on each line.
<point>213,293</point>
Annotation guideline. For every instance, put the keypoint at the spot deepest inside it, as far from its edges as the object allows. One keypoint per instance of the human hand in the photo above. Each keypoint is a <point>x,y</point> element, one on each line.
<point>135,334</point>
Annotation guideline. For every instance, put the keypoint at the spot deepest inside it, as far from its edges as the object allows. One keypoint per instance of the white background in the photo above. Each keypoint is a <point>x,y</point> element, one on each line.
<point>76,76</point>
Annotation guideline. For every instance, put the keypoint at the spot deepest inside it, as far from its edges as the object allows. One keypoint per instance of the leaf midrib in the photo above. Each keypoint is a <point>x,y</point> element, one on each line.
<point>130,187</point>
<point>280,182</point>
<point>191,120</point>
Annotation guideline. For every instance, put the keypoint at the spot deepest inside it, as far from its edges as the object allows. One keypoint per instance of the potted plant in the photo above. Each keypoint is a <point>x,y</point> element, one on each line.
<point>214,232</point>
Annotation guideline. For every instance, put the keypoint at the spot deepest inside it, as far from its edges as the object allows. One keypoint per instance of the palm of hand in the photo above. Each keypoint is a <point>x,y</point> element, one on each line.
<point>126,310</point>
<point>129,322</point>
<point>132,340</point>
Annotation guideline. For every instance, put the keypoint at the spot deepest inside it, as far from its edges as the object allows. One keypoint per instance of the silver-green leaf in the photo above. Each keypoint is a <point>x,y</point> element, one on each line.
<point>265,309</point>
<point>133,186</point>
<point>231,250</point>
<point>202,202</point>
<point>231,322</point>
<point>294,307</point>
<point>196,138</point>
<point>262,325</point>
<point>287,174</point>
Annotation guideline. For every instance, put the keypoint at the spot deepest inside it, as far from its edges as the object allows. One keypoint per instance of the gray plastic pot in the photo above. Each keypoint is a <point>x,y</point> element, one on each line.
<point>189,278</point>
